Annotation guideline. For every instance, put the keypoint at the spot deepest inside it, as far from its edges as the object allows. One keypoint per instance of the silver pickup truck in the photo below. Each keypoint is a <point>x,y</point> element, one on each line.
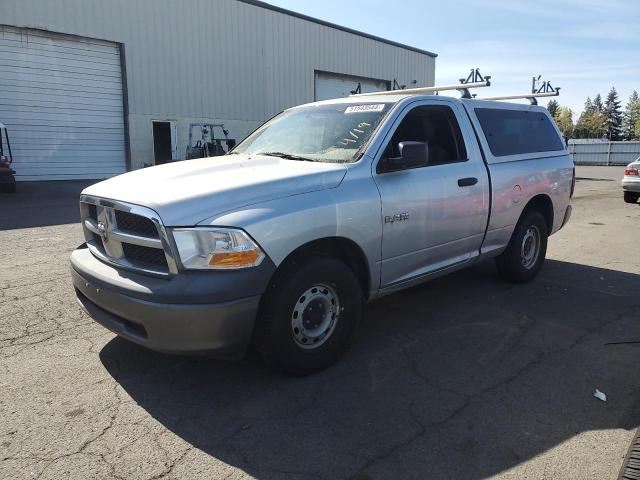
<point>326,206</point>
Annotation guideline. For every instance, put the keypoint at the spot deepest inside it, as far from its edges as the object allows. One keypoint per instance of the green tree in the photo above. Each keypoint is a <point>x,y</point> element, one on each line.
<point>591,123</point>
<point>553,106</point>
<point>631,118</point>
<point>564,120</point>
<point>582,127</point>
<point>588,105</point>
<point>597,103</point>
<point>613,115</point>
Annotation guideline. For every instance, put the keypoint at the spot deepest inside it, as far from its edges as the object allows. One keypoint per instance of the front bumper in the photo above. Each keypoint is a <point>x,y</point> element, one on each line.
<point>192,313</point>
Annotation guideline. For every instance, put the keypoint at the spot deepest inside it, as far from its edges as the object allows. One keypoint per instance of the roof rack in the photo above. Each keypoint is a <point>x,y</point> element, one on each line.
<point>529,96</point>
<point>544,90</point>
<point>474,80</point>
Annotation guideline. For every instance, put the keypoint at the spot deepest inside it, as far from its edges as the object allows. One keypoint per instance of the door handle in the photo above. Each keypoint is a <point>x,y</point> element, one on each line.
<point>467,182</point>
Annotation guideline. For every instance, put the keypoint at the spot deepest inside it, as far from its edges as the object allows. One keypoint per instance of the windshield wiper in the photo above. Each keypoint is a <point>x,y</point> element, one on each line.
<point>287,156</point>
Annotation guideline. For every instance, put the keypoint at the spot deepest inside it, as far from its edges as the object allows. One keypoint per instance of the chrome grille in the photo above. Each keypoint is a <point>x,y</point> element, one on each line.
<point>126,235</point>
<point>93,211</point>
<point>146,256</point>
<point>130,222</point>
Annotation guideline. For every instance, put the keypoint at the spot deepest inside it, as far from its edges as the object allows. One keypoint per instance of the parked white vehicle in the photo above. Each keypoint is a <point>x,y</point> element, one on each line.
<point>631,182</point>
<point>326,206</point>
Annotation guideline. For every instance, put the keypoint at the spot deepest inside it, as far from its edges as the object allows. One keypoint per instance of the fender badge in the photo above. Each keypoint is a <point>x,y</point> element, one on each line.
<point>398,217</point>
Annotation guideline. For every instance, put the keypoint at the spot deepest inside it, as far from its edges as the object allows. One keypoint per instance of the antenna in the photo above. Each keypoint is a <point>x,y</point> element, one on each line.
<point>474,80</point>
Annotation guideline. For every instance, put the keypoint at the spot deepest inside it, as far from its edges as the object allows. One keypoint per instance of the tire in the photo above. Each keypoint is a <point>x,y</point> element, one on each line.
<point>525,254</point>
<point>8,187</point>
<point>324,284</point>
<point>631,197</point>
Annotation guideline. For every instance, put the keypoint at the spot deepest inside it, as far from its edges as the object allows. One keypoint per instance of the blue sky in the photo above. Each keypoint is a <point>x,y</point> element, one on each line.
<point>583,46</point>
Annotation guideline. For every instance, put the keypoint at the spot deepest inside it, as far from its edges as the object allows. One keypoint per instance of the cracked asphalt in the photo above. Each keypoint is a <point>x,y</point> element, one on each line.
<point>465,377</point>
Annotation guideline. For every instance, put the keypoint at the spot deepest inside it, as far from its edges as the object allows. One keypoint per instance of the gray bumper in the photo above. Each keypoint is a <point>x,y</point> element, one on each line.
<point>631,186</point>
<point>147,311</point>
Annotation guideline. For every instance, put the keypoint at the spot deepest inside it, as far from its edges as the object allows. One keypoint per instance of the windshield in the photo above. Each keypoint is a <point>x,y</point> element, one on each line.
<point>319,133</point>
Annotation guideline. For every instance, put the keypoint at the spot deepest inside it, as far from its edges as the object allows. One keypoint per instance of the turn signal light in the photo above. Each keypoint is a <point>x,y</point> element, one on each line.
<point>234,259</point>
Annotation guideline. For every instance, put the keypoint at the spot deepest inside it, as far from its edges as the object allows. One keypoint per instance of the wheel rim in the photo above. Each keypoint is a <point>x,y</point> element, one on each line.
<point>314,316</point>
<point>530,250</point>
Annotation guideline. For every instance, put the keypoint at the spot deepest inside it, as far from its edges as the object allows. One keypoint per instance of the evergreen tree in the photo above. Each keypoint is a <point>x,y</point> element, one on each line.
<point>553,106</point>
<point>613,115</point>
<point>588,105</point>
<point>631,119</point>
<point>597,103</point>
<point>582,127</point>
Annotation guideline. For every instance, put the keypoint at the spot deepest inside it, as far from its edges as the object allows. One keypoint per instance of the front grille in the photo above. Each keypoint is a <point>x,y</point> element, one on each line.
<point>146,256</point>
<point>93,212</point>
<point>133,223</point>
<point>129,236</point>
<point>97,239</point>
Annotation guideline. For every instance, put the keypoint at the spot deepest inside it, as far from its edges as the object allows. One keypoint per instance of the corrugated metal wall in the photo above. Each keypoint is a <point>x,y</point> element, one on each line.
<point>61,101</point>
<point>216,60</point>
<point>589,152</point>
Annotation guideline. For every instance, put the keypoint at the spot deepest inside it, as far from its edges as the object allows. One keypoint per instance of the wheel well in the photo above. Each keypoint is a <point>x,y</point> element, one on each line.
<point>542,203</point>
<point>335,247</point>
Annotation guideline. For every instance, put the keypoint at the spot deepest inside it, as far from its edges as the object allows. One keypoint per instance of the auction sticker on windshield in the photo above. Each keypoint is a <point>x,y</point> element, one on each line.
<point>365,108</point>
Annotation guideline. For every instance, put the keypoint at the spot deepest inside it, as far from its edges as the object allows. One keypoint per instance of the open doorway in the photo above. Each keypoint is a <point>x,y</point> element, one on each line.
<point>165,147</point>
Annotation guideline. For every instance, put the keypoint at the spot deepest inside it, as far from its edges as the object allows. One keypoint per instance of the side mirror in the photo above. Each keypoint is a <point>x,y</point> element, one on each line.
<point>412,154</point>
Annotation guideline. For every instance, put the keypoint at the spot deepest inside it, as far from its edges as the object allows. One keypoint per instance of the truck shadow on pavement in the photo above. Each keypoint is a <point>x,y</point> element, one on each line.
<point>463,377</point>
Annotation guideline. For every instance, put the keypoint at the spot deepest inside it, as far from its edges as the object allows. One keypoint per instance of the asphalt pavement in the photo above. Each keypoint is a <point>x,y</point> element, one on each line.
<point>465,377</point>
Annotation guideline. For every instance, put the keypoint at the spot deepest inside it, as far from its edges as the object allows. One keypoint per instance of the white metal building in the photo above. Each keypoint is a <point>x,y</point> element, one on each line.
<point>92,88</point>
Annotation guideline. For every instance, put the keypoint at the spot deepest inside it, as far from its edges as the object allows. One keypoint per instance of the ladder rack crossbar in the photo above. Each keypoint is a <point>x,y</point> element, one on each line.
<point>527,96</point>
<point>423,90</point>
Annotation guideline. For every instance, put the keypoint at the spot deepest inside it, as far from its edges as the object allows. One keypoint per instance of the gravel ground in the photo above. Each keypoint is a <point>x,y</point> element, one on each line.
<point>463,377</point>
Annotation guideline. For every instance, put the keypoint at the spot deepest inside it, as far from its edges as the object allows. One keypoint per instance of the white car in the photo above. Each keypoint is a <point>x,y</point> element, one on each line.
<point>631,182</point>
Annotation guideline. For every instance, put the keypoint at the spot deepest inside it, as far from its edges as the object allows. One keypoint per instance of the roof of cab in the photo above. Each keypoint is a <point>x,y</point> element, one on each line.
<point>395,98</point>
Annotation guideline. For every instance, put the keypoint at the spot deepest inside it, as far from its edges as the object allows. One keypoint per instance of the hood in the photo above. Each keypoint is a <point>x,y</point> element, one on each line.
<point>186,192</point>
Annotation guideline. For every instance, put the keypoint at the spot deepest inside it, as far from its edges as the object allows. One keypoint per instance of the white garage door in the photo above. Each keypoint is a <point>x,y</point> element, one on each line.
<point>336,85</point>
<point>61,100</point>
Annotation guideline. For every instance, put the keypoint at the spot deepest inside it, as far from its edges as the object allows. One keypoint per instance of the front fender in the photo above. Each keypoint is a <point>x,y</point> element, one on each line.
<point>351,211</point>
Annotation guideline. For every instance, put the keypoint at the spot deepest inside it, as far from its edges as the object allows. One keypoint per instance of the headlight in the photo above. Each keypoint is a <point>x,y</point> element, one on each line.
<point>216,248</point>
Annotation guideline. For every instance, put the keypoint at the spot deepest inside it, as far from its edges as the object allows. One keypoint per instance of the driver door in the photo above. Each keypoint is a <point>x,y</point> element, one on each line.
<point>434,216</point>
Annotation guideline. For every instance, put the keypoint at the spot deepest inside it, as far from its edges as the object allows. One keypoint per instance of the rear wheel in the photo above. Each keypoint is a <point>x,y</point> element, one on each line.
<point>525,254</point>
<point>308,316</point>
<point>631,197</point>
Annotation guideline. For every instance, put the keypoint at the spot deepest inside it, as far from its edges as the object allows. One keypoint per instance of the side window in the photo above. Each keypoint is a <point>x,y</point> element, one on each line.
<point>516,132</point>
<point>437,126</point>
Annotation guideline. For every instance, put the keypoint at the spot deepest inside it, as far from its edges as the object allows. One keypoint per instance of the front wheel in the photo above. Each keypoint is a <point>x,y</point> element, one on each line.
<point>308,316</point>
<point>525,254</point>
<point>631,197</point>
